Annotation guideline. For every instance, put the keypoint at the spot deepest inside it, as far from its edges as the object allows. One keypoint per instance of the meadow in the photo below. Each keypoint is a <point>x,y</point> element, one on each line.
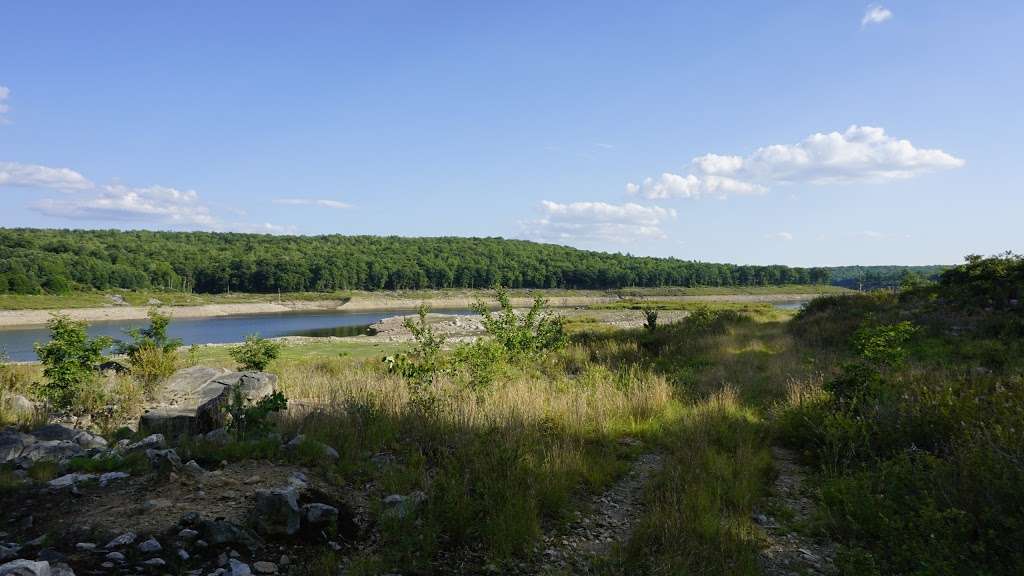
<point>904,410</point>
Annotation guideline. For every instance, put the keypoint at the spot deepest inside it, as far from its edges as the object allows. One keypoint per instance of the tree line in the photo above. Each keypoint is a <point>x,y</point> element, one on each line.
<point>34,261</point>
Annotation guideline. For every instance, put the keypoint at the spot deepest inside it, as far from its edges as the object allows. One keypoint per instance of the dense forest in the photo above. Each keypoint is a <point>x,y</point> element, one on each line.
<point>875,277</point>
<point>56,261</point>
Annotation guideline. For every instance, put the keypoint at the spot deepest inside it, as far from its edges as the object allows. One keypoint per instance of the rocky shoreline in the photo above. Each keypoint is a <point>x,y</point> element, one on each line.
<point>12,318</point>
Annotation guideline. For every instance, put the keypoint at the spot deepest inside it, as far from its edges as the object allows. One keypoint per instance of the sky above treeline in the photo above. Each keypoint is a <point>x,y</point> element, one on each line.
<point>801,133</point>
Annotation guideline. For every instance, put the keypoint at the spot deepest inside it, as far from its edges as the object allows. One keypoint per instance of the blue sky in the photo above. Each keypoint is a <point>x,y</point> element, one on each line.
<point>805,133</point>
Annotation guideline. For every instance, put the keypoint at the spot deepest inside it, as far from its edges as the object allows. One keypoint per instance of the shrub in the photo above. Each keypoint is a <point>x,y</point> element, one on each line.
<point>152,355</point>
<point>481,362</point>
<point>421,365</point>
<point>246,418</point>
<point>255,353</point>
<point>70,361</point>
<point>650,318</point>
<point>536,332</point>
<point>884,344</point>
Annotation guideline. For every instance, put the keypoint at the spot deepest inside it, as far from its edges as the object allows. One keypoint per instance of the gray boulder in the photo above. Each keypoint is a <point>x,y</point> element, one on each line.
<point>51,451</point>
<point>151,442</point>
<point>69,480</point>
<point>164,461</point>
<point>122,540</point>
<point>319,515</point>
<point>194,398</point>
<point>277,512</point>
<point>20,405</point>
<point>224,533</point>
<point>25,568</point>
<point>84,439</point>
<point>13,444</point>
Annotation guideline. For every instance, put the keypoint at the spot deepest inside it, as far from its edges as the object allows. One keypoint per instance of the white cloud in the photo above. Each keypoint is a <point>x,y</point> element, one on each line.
<point>779,236</point>
<point>598,221</point>
<point>859,154</point>
<point>35,176</point>
<point>312,202</point>
<point>875,14</point>
<point>5,92</point>
<point>156,204</point>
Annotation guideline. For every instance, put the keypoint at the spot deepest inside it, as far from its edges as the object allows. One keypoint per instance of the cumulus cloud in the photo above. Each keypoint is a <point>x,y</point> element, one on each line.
<point>598,221</point>
<point>5,92</point>
<point>875,14</point>
<point>312,202</point>
<point>779,236</point>
<point>36,176</point>
<point>859,154</point>
<point>158,204</point>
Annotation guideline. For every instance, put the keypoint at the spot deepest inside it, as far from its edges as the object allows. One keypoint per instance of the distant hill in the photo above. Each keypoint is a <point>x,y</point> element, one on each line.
<point>56,261</point>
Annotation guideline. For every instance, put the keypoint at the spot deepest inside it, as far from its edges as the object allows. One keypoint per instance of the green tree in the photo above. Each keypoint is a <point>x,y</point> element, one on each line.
<point>70,361</point>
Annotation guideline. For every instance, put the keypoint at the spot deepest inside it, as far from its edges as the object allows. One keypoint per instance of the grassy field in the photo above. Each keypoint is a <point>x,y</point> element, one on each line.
<point>142,298</point>
<point>904,409</point>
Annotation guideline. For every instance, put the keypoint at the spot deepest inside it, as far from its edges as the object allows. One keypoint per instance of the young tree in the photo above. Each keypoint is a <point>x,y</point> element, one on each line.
<point>70,361</point>
<point>255,353</point>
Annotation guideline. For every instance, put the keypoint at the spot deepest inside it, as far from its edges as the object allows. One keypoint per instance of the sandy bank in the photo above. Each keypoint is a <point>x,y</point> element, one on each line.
<point>359,303</point>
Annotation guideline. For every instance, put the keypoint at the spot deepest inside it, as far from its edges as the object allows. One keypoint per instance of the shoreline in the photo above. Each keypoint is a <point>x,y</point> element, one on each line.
<point>28,318</point>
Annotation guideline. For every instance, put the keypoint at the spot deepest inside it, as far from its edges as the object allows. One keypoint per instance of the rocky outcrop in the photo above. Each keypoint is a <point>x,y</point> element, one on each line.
<point>51,443</point>
<point>193,399</point>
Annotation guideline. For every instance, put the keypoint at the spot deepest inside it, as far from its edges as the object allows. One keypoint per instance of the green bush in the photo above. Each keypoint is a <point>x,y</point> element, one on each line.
<point>532,333</point>
<point>70,362</point>
<point>152,355</point>
<point>255,353</point>
<point>424,362</point>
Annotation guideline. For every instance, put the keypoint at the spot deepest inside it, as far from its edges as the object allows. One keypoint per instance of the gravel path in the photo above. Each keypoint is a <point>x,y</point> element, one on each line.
<point>788,551</point>
<point>609,522</point>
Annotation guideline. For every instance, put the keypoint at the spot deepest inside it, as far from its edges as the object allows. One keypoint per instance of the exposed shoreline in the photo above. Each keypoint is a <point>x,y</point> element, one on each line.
<point>12,318</point>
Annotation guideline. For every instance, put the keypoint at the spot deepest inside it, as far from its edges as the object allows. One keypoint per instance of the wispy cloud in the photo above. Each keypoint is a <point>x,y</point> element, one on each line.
<point>859,154</point>
<point>875,14</point>
<point>312,202</point>
<point>786,236</point>
<point>597,221</point>
<point>157,204</point>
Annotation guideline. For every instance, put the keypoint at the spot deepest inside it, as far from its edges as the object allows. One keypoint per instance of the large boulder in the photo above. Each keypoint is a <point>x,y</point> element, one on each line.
<point>194,398</point>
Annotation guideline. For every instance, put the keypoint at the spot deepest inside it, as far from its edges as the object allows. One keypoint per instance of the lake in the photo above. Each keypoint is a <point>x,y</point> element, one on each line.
<point>18,342</point>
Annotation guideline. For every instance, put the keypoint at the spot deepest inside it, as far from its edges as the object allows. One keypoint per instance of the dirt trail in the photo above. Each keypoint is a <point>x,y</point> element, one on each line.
<point>610,521</point>
<point>789,552</point>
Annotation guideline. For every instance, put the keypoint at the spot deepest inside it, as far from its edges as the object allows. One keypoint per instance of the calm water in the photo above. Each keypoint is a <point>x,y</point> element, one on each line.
<point>17,342</point>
